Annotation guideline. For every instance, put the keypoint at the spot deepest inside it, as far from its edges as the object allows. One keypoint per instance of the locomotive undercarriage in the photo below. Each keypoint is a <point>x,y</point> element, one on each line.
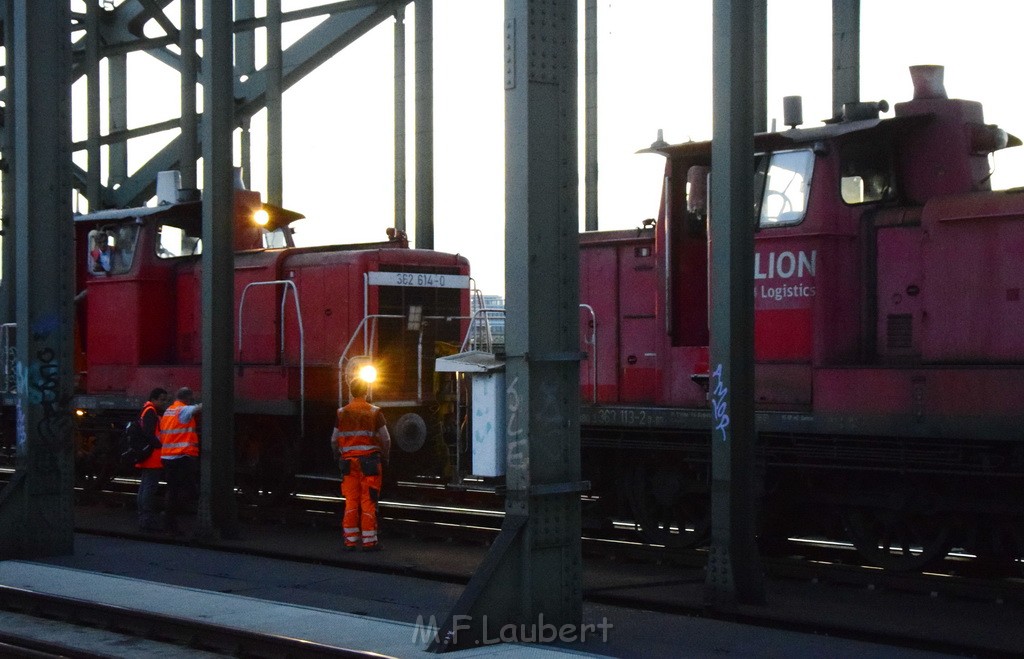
<point>903,503</point>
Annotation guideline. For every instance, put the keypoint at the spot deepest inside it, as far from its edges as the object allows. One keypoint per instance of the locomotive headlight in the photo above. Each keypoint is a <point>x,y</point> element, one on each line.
<point>367,373</point>
<point>361,368</point>
<point>261,217</point>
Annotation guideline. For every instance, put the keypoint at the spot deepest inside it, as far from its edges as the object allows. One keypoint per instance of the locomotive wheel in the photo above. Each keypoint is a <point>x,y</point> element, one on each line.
<point>905,536</point>
<point>96,460</point>
<point>264,470</point>
<point>998,542</point>
<point>670,506</point>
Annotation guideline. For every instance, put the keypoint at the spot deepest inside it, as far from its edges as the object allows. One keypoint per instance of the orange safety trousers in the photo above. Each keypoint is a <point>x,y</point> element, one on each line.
<point>361,493</point>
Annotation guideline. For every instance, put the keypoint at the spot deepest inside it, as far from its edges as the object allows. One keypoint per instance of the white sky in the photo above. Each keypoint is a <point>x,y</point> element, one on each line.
<point>655,72</point>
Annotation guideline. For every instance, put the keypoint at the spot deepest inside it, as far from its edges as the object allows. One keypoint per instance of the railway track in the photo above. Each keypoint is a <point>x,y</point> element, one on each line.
<point>811,564</point>
<point>813,560</point>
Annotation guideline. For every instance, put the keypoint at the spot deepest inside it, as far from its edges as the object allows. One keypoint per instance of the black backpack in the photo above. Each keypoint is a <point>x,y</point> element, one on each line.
<point>135,445</point>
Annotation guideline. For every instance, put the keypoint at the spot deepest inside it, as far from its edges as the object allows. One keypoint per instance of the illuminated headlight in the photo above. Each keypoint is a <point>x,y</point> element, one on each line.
<point>80,412</point>
<point>362,368</point>
<point>261,217</point>
<point>367,373</point>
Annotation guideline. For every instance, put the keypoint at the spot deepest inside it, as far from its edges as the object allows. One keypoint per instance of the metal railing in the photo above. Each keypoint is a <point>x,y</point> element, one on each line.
<point>367,329</point>
<point>368,343</point>
<point>592,342</point>
<point>469,342</point>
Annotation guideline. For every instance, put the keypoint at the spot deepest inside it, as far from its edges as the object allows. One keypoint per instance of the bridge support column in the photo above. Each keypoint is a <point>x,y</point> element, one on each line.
<point>36,506</point>
<point>532,577</point>
<point>217,512</point>
<point>734,571</point>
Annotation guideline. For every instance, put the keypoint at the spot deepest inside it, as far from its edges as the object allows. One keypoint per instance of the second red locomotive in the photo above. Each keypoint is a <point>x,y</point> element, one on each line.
<point>889,337</point>
<point>889,340</point>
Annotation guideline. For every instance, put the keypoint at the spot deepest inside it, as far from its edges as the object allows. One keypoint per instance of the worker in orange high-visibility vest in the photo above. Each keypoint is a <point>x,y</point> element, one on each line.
<point>151,468</point>
<point>361,445</point>
<point>179,454</point>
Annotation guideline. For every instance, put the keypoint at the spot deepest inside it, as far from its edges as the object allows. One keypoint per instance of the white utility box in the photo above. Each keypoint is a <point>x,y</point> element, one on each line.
<point>488,424</point>
<point>487,382</point>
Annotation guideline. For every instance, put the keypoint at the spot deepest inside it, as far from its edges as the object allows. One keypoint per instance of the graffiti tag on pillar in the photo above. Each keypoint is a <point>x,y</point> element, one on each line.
<point>550,421</point>
<point>19,427</point>
<point>719,407</point>
<point>40,384</point>
<point>518,458</point>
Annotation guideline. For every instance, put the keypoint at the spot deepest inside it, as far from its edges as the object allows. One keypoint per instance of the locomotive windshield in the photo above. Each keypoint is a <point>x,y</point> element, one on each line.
<point>111,249</point>
<point>786,189</point>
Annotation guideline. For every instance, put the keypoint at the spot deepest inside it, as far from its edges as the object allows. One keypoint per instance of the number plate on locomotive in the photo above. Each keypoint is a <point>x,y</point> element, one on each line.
<point>419,279</point>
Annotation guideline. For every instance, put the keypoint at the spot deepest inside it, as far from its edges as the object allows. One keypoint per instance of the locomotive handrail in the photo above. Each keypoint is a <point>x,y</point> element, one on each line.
<point>593,344</point>
<point>473,319</point>
<point>480,304</point>
<point>366,349</point>
<point>288,285</point>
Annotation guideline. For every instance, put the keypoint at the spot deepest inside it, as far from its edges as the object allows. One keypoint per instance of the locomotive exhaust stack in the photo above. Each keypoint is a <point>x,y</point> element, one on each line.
<point>927,79</point>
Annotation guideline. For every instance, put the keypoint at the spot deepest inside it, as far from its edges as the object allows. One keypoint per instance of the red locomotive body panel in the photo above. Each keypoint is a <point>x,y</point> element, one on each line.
<point>617,281</point>
<point>973,255</point>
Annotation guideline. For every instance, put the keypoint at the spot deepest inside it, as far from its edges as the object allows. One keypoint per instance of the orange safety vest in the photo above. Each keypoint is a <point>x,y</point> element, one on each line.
<point>358,423</point>
<point>178,438</point>
<point>153,461</point>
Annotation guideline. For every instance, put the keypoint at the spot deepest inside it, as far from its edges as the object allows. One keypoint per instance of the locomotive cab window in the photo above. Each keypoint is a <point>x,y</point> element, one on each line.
<point>786,188</point>
<point>111,249</point>
<point>866,175</point>
<point>173,242</point>
<point>276,238</point>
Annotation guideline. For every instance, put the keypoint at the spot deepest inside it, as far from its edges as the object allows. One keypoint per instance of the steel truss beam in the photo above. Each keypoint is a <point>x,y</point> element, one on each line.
<point>121,31</point>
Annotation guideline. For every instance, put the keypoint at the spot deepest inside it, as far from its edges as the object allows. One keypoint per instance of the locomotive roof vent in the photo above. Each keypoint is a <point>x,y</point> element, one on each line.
<point>927,79</point>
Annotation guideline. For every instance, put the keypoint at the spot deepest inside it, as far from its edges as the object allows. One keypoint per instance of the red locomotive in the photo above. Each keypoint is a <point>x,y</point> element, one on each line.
<point>305,319</point>
<point>889,346</point>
